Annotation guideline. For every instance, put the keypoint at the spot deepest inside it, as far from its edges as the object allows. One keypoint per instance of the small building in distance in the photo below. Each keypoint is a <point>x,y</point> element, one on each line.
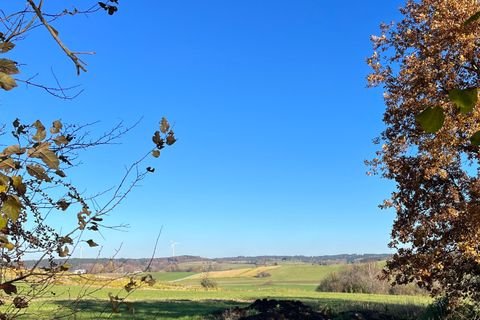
<point>79,271</point>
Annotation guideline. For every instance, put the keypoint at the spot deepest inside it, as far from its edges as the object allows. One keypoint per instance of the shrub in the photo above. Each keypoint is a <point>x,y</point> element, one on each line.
<point>263,274</point>
<point>208,283</point>
<point>364,278</point>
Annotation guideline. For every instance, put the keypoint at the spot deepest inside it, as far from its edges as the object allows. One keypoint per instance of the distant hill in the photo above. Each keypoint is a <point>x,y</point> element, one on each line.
<point>188,263</point>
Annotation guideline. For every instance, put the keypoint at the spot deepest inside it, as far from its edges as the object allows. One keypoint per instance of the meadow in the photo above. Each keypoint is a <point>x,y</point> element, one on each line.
<point>179,295</point>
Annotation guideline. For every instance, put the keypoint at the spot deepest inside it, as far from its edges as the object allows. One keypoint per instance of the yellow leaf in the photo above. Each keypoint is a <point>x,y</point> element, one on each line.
<point>10,246</point>
<point>3,222</point>
<point>7,82</point>
<point>4,180</point>
<point>11,207</point>
<point>18,185</point>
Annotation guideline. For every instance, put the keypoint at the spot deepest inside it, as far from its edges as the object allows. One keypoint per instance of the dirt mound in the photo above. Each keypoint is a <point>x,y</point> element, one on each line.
<point>272,310</point>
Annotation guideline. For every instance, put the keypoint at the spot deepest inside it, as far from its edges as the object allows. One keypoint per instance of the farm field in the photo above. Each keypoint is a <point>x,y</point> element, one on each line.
<point>178,295</point>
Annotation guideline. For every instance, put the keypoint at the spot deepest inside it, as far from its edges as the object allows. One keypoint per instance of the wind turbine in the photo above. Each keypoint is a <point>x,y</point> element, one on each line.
<point>173,244</point>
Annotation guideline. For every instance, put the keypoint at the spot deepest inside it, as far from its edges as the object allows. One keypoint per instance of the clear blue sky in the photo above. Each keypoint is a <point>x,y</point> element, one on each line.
<point>271,111</point>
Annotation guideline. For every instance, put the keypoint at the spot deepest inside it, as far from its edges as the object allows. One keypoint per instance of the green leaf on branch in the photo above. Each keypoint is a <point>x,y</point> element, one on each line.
<point>7,82</point>
<point>464,99</point>
<point>475,139</point>
<point>431,119</point>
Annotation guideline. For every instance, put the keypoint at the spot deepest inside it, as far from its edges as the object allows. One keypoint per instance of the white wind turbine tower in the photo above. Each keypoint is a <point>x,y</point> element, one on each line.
<point>173,244</point>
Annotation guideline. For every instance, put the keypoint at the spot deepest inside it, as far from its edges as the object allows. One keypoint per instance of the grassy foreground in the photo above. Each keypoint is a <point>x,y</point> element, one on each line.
<point>183,304</point>
<point>178,295</point>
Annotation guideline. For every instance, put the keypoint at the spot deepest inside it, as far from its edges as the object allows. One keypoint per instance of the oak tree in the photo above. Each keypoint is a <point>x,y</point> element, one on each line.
<point>429,67</point>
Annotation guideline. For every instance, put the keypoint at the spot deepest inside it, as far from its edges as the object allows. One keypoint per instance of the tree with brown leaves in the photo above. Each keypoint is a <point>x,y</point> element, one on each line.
<point>429,67</point>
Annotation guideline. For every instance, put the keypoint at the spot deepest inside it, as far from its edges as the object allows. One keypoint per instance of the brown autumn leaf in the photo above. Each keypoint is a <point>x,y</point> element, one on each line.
<point>164,125</point>
<point>7,165</point>
<point>156,153</point>
<point>43,152</point>
<point>56,127</point>
<point>13,149</point>
<point>6,46</point>
<point>41,132</point>
<point>7,82</point>
<point>38,172</point>
<point>61,140</point>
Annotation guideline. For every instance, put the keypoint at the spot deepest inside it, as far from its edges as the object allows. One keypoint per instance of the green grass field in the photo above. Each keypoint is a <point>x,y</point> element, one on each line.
<point>178,295</point>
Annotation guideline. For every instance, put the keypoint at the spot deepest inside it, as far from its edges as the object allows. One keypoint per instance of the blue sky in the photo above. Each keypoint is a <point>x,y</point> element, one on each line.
<point>271,110</point>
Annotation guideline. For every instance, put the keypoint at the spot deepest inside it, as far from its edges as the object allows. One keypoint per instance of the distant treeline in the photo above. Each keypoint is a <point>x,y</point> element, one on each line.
<point>200,264</point>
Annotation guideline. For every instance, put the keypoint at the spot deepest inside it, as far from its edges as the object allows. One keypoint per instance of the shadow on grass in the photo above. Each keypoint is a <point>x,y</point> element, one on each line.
<point>173,309</point>
<point>186,309</point>
<point>340,308</point>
